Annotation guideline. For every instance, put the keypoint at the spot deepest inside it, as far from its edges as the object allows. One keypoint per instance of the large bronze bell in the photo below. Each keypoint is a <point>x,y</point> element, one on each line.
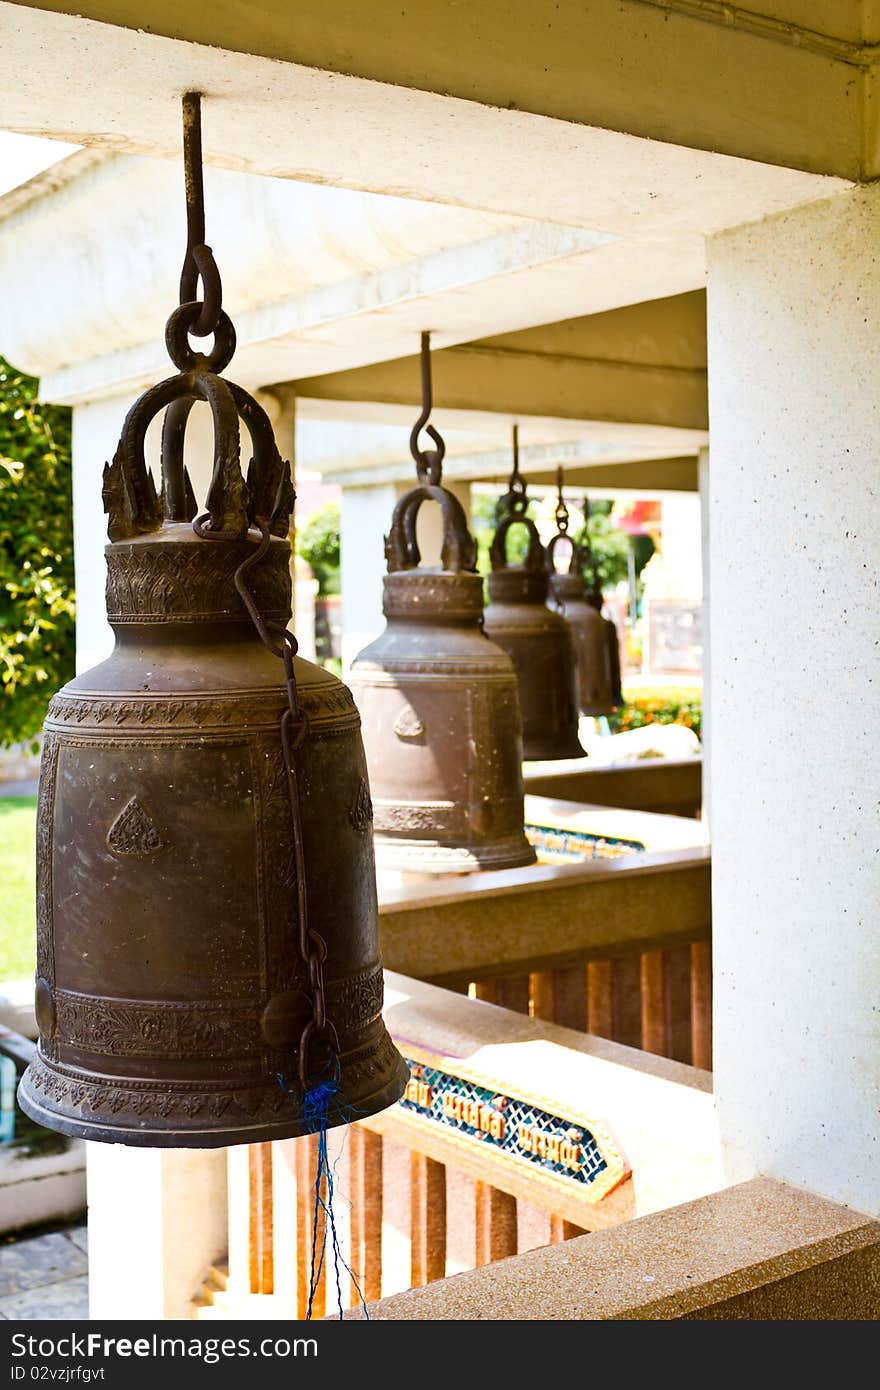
<point>438,701</point>
<point>206,905</point>
<point>594,645</point>
<point>537,640</point>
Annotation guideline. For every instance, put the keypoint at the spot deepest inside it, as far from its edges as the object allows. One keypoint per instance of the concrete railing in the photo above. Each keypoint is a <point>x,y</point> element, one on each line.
<point>666,785</point>
<point>515,1133</point>
<point>619,948</point>
<point>760,1250</point>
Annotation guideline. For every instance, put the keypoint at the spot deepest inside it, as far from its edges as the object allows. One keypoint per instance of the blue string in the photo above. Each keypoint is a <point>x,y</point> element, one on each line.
<point>318,1103</point>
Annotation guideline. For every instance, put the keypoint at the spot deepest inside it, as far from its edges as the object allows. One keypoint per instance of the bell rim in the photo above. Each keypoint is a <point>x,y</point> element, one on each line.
<point>426,856</point>
<point>358,1107</point>
<point>534,751</point>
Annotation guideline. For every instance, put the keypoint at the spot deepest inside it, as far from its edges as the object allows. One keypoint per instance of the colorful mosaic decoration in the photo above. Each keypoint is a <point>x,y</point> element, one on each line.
<point>518,1128</point>
<point>573,846</point>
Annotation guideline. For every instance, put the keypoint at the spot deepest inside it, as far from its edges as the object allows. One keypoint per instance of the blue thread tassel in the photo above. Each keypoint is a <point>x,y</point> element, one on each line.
<point>318,1102</point>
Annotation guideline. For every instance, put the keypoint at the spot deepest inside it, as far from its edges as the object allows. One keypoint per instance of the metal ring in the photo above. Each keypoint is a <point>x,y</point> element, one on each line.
<point>429,462</point>
<point>305,1042</point>
<point>181,322</point>
<point>212,292</point>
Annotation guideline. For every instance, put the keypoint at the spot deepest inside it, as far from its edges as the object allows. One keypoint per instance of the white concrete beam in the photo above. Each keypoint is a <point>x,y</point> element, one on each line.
<point>90,82</point>
<point>775,80</point>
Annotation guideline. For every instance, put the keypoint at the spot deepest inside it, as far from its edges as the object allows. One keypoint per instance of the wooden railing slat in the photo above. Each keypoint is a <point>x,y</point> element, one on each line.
<point>563,1230</point>
<point>427,1219</point>
<point>513,992</point>
<point>260,1255</point>
<point>600,998</point>
<point>627,1001</point>
<point>570,997</point>
<point>366,1214</point>
<point>487,990</point>
<point>495,1224</point>
<point>653,996</point>
<point>701,1004</point>
<point>678,1004</point>
<point>306,1174</point>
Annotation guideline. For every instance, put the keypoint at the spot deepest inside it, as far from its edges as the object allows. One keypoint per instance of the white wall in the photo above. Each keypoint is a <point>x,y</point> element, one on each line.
<point>794,377</point>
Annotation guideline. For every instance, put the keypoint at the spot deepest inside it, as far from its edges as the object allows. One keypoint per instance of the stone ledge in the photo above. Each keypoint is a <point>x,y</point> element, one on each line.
<point>761,1249</point>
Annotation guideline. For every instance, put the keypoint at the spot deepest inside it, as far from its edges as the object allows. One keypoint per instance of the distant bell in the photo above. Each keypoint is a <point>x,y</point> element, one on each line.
<point>438,701</point>
<point>595,646</point>
<point>539,643</point>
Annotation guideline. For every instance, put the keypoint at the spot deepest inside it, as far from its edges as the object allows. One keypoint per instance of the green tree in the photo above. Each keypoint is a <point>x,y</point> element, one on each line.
<point>37,637</point>
<point>318,544</point>
<point>610,546</point>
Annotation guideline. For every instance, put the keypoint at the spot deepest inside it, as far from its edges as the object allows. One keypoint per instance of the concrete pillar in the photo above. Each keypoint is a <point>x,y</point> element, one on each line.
<point>366,517</point>
<point>157,1222</point>
<point>794,387</point>
<point>96,427</point>
<point>703,478</point>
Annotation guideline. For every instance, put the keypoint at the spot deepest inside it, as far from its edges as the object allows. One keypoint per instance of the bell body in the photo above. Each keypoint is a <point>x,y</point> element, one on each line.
<point>539,643</point>
<point>441,727</point>
<point>592,643</point>
<point>170,990</point>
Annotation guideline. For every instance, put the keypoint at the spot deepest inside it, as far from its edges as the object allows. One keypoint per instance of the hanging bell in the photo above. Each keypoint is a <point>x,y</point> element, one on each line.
<point>538,641</point>
<point>569,595</point>
<point>438,700</point>
<point>207,939</point>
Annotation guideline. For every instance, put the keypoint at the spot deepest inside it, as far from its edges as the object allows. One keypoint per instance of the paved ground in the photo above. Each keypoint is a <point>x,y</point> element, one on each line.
<point>45,1275</point>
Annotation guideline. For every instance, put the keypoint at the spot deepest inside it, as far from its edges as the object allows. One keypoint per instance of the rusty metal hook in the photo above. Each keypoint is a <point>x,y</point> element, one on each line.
<point>561,512</point>
<point>429,462</point>
<point>198,263</point>
<point>514,501</point>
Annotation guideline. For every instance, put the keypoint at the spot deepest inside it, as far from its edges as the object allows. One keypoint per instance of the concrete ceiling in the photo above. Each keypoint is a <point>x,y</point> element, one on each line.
<point>787,82</point>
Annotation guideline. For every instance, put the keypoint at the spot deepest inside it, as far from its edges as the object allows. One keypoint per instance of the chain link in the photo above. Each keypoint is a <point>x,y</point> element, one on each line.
<point>318,1030</point>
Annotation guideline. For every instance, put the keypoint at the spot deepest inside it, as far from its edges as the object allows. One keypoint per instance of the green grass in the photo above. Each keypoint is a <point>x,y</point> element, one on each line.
<point>18,820</point>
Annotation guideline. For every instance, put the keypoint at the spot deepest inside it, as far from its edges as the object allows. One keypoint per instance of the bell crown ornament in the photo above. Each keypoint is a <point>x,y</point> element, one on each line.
<point>438,699</point>
<point>580,602</point>
<point>207,943</point>
<point>539,641</point>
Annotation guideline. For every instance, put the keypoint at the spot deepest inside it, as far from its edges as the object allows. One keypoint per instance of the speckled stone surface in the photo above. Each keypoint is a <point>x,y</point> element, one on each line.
<point>45,1276</point>
<point>793,399</point>
<point>761,1249</point>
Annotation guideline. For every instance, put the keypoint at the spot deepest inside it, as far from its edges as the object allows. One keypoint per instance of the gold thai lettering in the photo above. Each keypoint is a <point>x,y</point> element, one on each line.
<point>474,1113</point>
<point>418,1093</point>
<point>554,1148</point>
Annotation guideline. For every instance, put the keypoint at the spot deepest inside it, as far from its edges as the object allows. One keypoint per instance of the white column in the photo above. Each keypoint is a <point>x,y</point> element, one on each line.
<point>429,529</point>
<point>96,427</point>
<point>794,384</point>
<point>703,477</point>
<point>365,516</point>
<point>157,1222</point>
